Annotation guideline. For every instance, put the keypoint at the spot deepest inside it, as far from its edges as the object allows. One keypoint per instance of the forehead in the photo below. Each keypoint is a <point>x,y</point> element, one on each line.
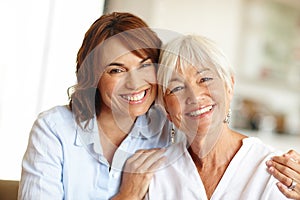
<point>111,50</point>
<point>186,69</point>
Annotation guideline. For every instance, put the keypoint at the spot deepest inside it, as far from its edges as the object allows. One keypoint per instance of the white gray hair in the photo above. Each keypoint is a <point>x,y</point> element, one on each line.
<point>192,50</point>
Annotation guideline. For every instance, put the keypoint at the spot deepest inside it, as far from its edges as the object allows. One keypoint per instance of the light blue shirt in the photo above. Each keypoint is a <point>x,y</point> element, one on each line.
<point>63,161</point>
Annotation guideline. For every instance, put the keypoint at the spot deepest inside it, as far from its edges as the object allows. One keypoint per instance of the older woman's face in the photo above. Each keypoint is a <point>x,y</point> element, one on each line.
<point>128,84</point>
<point>196,100</point>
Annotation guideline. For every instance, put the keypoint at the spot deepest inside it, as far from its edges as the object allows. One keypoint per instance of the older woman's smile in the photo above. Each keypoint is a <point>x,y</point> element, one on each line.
<point>200,111</point>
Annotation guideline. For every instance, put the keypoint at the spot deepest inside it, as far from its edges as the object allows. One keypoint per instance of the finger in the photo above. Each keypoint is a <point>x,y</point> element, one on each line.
<point>287,162</point>
<point>138,162</point>
<point>288,193</point>
<point>281,168</point>
<point>150,159</point>
<point>293,153</point>
<point>133,162</point>
<point>286,180</point>
<point>145,150</point>
<point>155,166</point>
<point>140,154</point>
<point>289,168</point>
<point>148,174</point>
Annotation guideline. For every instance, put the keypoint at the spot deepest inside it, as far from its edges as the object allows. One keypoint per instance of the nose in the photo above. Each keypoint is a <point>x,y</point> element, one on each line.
<point>134,79</point>
<point>194,94</point>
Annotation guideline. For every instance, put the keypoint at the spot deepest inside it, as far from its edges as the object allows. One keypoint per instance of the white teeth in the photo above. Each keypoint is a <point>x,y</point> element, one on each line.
<point>199,112</point>
<point>136,97</point>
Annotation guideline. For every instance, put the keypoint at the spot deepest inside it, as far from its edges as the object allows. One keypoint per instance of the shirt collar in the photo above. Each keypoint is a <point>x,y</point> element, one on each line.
<point>88,134</point>
<point>150,124</point>
<point>145,126</point>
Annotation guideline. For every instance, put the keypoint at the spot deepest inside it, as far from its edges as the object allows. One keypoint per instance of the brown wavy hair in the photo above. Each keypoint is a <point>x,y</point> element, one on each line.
<point>132,32</point>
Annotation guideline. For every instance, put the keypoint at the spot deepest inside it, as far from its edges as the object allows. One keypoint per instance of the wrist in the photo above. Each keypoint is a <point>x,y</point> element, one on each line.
<point>124,197</point>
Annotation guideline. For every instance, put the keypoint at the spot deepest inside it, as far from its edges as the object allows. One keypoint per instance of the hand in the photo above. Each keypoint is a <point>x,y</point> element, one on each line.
<point>286,169</point>
<point>138,172</point>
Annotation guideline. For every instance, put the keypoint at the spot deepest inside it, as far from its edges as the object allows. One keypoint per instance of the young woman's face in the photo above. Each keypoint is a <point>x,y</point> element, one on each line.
<point>128,85</point>
<point>196,100</point>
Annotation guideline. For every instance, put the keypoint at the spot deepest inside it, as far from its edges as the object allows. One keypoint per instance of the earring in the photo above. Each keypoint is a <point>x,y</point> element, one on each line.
<point>227,118</point>
<point>172,135</point>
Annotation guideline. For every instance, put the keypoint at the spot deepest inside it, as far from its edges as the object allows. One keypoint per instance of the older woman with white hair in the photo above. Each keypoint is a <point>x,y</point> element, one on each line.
<point>216,162</point>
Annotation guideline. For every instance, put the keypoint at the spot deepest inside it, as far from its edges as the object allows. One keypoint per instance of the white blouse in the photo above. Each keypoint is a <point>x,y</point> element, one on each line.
<point>246,177</point>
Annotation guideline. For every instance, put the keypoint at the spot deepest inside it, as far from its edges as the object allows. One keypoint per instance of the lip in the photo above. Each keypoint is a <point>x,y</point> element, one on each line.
<point>201,112</point>
<point>136,97</point>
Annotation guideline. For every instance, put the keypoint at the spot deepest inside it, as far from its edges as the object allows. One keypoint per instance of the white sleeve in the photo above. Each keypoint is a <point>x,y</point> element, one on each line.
<point>274,193</point>
<point>42,164</point>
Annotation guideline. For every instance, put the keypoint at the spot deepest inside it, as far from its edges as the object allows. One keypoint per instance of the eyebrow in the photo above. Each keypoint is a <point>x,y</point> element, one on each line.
<point>203,70</point>
<point>145,59</point>
<point>115,64</point>
<point>179,78</point>
<point>176,79</point>
<point>120,64</point>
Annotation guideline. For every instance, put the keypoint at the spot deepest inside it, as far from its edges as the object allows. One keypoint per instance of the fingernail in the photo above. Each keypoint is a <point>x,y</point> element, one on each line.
<point>271,169</point>
<point>269,163</point>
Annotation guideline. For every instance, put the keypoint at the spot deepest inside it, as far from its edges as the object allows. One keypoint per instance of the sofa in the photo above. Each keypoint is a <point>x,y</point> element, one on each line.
<point>9,189</point>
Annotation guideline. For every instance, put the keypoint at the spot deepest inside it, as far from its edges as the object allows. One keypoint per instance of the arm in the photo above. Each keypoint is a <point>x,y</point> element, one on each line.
<point>138,172</point>
<point>286,169</point>
<point>42,164</point>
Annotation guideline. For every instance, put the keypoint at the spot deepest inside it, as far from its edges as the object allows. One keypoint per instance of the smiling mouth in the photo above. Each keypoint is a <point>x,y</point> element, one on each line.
<point>135,98</point>
<point>200,111</point>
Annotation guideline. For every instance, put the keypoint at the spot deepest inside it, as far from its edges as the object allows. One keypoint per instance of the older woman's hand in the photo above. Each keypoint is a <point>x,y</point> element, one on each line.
<point>286,169</point>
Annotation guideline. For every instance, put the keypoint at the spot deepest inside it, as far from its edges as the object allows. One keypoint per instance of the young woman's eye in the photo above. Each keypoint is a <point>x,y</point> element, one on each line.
<point>202,80</point>
<point>115,71</point>
<point>176,89</point>
<point>146,65</point>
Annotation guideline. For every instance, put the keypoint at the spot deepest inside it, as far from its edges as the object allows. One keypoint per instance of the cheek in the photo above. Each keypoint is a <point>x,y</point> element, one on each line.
<point>107,86</point>
<point>149,75</point>
<point>173,107</point>
<point>217,92</point>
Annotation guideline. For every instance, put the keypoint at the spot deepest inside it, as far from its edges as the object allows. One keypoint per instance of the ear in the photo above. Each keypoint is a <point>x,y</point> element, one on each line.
<point>167,114</point>
<point>165,108</point>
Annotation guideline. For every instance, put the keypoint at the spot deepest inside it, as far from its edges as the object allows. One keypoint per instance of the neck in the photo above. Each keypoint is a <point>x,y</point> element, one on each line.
<point>212,156</point>
<point>114,127</point>
<point>112,132</point>
<point>215,148</point>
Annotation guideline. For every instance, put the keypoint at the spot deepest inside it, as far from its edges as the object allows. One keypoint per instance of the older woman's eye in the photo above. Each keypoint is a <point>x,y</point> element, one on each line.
<point>202,80</point>
<point>176,89</point>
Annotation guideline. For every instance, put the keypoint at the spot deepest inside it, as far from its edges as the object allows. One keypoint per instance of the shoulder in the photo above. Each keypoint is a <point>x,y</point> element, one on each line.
<point>58,120</point>
<point>62,111</point>
<point>55,115</point>
<point>255,145</point>
<point>53,125</point>
<point>50,128</point>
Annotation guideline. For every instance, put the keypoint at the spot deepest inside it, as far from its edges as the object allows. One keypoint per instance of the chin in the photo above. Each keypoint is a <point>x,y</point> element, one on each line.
<point>137,113</point>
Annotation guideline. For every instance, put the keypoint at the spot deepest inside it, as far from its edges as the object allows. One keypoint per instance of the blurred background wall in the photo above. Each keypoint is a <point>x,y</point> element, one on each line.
<point>39,42</point>
<point>40,39</point>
